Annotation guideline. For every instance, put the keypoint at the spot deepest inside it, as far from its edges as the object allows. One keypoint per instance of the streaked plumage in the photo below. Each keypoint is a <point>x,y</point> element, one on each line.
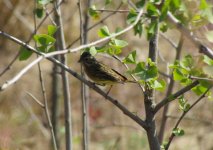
<point>100,73</point>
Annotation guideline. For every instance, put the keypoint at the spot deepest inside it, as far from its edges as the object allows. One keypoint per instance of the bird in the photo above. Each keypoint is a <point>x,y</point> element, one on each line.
<point>100,73</point>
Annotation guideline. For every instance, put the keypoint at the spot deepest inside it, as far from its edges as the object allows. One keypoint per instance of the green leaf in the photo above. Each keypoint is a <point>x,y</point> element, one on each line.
<point>158,85</point>
<point>207,14</point>
<point>187,62</point>
<point>182,70</point>
<point>145,73</point>
<point>46,49</point>
<point>101,49</point>
<point>44,39</point>
<point>39,12</point>
<point>164,10</point>
<point>208,60</point>
<point>113,51</point>
<point>51,30</point>
<point>130,58</point>
<point>152,72</point>
<point>43,2</point>
<point>140,4</point>
<point>152,11</point>
<point>178,132</point>
<point>42,49</point>
<point>151,29</point>
<point>51,49</point>
<point>175,4</point>
<point>131,16</point>
<point>93,51</point>
<point>119,43</point>
<point>183,105</point>
<point>24,53</point>
<point>163,146</point>
<point>164,27</point>
<point>177,75</point>
<point>138,29</point>
<point>202,87</point>
<point>203,4</point>
<point>140,66</point>
<point>93,13</point>
<point>103,32</point>
<point>107,2</point>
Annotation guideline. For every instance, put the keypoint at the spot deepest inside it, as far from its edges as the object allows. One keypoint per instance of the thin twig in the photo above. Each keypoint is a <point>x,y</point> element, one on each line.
<point>49,55</point>
<point>33,33</point>
<point>43,90</point>
<point>171,84</point>
<point>191,119</point>
<point>35,119</point>
<point>116,11</point>
<point>164,74</point>
<point>116,57</point>
<point>201,78</point>
<point>202,49</point>
<point>84,89</point>
<point>183,114</point>
<point>175,95</point>
<point>98,90</point>
<point>149,96</point>
<point>42,21</point>
<point>91,27</point>
<point>10,64</point>
<point>65,81</point>
<point>169,40</point>
<point>35,99</point>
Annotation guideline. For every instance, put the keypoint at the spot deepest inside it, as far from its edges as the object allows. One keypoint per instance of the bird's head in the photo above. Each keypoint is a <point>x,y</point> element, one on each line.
<point>87,59</point>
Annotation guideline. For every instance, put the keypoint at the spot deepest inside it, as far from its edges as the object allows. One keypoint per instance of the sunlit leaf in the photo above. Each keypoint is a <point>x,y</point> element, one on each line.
<point>43,2</point>
<point>44,39</point>
<point>93,50</point>
<point>158,85</point>
<point>103,32</point>
<point>208,60</point>
<point>24,53</point>
<point>131,16</point>
<point>203,4</point>
<point>51,30</point>
<point>93,12</point>
<point>178,132</point>
<point>131,58</point>
<point>120,43</point>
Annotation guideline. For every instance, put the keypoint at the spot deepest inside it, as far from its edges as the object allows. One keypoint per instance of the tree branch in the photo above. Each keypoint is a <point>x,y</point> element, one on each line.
<point>90,84</point>
<point>183,114</point>
<point>65,81</point>
<point>202,49</point>
<point>48,55</point>
<point>175,95</point>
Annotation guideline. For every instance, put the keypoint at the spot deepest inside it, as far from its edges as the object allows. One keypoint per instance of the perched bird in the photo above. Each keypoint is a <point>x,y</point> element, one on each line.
<point>99,72</point>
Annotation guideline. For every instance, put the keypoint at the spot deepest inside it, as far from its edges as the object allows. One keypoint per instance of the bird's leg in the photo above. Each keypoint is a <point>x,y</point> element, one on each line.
<point>109,90</point>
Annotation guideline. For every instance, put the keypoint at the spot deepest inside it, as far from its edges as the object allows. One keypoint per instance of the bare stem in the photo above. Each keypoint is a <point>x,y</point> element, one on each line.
<point>175,95</point>
<point>182,116</point>
<point>65,82</point>
<point>169,92</point>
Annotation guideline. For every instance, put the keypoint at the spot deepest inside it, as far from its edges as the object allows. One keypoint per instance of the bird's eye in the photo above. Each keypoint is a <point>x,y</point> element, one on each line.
<point>87,60</point>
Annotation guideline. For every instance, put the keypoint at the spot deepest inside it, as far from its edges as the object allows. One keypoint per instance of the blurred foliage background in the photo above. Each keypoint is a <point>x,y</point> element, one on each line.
<point>23,124</point>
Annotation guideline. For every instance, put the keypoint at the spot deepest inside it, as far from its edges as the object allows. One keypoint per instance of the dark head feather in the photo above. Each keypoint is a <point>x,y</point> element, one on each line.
<point>84,55</point>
